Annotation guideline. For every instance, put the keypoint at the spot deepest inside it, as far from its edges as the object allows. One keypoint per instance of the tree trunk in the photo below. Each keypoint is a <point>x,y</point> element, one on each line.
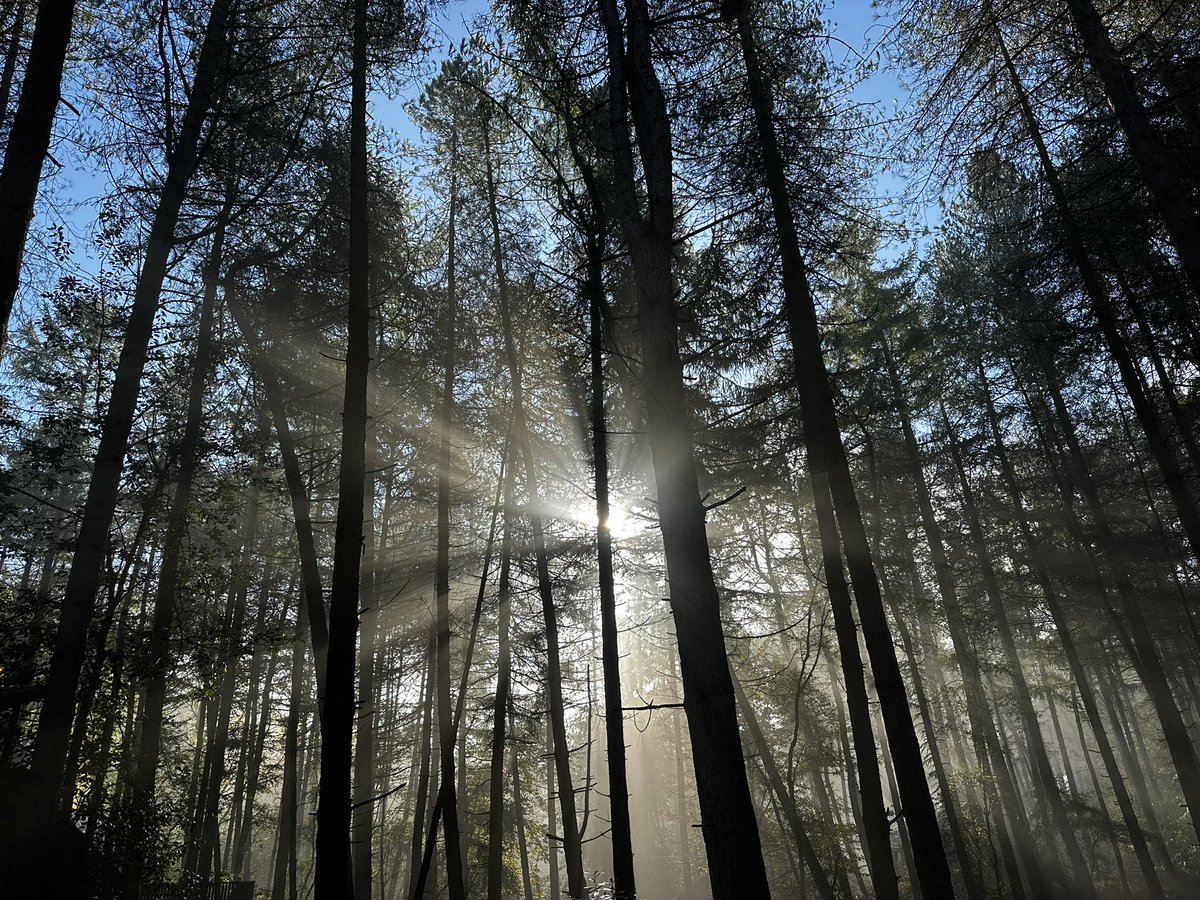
<point>1034,742</point>
<point>983,726</point>
<point>614,718</point>
<point>1171,196</point>
<point>825,452</point>
<point>166,594</point>
<point>29,142</point>
<point>419,828</point>
<point>730,829</point>
<point>333,877</point>
<point>783,796</point>
<point>501,711</point>
<point>310,574</point>
<point>446,720</point>
<point>572,847</point>
<point>11,54</point>
<point>1067,639</point>
<point>1102,308</point>
<point>79,599</point>
<point>1143,648</point>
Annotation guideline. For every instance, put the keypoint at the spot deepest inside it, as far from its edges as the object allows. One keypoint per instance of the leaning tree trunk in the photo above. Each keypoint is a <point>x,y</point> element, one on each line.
<point>87,562</point>
<point>1102,308</point>
<point>501,712</point>
<point>333,880</point>
<point>1137,636</point>
<point>730,829</point>
<point>11,54</point>
<point>166,594</point>
<point>313,594</point>
<point>979,714</point>
<point>1171,196</point>
<point>827,453</point>
<point>784,798</point>
<point>29,142</point>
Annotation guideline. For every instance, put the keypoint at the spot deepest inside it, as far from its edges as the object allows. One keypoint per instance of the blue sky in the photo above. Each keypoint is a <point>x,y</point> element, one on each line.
<point>73,190</point>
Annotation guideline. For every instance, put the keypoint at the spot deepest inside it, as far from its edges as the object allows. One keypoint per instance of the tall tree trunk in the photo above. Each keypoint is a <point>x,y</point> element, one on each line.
<point>825,452</point>
<point>519,806</point>
<point>501,711</point>
<point>313,593</point>
<point>624,887</point>
<point>731,838</point>
<point>1171,196</point>
<point>983,726</point>
<point>29,142</point>
<point>419,840</point>
<point>374,541</point>
<point>446,720</point>
<point>11,54</point>
<point>572,846</point>
<point>1141,643</point>
<point>214,766</point>
<point>79,599</point>
<point>333,877</point>
<point>1102,308</point>
<point>289,795</point>
<point>166,594</point>
<point>966,863</point>
<point>783,796</point>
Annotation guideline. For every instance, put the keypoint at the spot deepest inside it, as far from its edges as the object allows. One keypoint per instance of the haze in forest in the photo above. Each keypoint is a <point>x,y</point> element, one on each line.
<point>620,449</point>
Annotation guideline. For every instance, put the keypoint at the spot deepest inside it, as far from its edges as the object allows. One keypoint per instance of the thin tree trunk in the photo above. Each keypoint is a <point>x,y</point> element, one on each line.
<point>519,806</point>
<point>572,847</point>
<point>1143,648</point>
<point>419,827</point>
<point>310,574</point>
<point>11,54</point>
<point>501,710</point>
<point>446,720</point>
<point>1034,742</point>
<point>624,887</point>
<point>1102,309</point>
<point>783,796</point>
<point>983,725</point>
<point>1066,638</point>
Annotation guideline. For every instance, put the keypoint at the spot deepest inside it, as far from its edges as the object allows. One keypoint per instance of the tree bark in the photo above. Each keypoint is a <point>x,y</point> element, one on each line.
<point>624,887</point>
<point>572,846</point>
<point>1070,651</point>
<point>1035,744</point>
<point>783,796</point>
